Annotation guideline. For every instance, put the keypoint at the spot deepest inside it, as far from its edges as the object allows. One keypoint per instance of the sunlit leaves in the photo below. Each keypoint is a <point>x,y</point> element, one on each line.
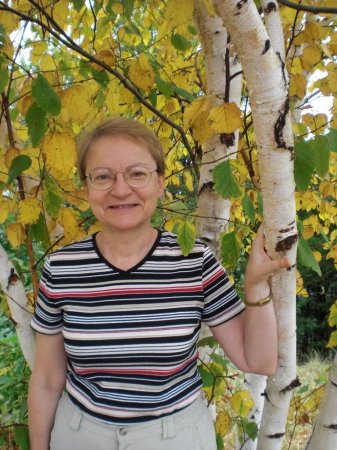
<point>60,152</point>
<point>141,73</point>
<point>242,403</point>
<point>186,236</point>
<point>225,118</point>
<point>29,210</point>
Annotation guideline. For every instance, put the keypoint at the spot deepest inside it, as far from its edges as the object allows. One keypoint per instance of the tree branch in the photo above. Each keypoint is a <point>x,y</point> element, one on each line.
<point>62,37</point>
<point>313,9</point>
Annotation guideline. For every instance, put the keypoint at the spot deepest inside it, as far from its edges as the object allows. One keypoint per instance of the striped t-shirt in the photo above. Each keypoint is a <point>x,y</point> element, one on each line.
<point>130,336</point>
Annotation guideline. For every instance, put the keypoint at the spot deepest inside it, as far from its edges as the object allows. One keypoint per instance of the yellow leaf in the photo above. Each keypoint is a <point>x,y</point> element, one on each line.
<point>68,219</point>
<point>308,232</point>
<point>310,57</point>
<point>223,423</point>
<point>60,152</point>
<point>11,153</point>
<point>60,12</point>
<point>317,255</point>
<point>326,188</point>
<point>141,73</point>
<point>332,340</point>
<point>178,12</point>
<point>4,210</point>
<point>15,234</point>
<point>47,63</point>
<point>242,403</point>
<point>76,104</point>
<point>298,86</point>
<point>225,118</point>
<point>189,180</point>
<point>197,107</point>
<point>9,21</point>
<point>37,49</point>
<point>29,210</point>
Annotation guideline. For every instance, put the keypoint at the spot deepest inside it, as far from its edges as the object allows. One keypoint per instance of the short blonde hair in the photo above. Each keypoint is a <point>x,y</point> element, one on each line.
<point>120,126</point>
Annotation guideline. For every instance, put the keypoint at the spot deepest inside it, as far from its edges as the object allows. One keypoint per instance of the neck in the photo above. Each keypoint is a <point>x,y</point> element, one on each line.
<point>126,249</point>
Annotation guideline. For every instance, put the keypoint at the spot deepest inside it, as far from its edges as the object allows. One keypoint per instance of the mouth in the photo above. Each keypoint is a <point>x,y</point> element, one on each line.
<point>123,207</point>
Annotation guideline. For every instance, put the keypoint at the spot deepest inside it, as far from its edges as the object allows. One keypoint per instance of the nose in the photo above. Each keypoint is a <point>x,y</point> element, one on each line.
<point>120,187</point>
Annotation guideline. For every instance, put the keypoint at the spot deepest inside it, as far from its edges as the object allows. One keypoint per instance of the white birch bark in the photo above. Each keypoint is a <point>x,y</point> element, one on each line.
<point>13,288</point>
<point>268,89</point>
<point>324,435</point>
<point>213,211</point>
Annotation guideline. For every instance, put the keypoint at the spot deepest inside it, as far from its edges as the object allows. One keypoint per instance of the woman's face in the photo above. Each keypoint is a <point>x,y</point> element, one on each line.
<point>122,207</point>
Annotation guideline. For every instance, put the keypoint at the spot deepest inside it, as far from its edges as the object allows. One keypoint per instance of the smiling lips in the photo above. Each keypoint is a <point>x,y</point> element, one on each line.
<point>126,206</point>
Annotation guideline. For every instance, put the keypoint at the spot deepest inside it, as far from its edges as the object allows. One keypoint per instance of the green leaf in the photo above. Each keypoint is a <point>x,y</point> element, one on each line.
<point>165,88</point>
<point>332,140</point>
<point>186,237</point>
<point>230,247</point>
<point>19,164</point>
<point>248,208</point>
<point>304,164</point>
<point>128,8</point>
<point>320,146</point>
<point>182,93</point>
<point>179,42</point>
<point>39,232</point>
<point>45,95</point>
<point>37,123</point>
<point>153,97</point>
<point>78,4</point>
<point>306,257</point>
<point>52,198</point>
<point>3,75</point>
<point>225,182</point>
<point>2,36</point>
<point>21,437</point>
<point>206,376</point>
<point>210,341</point>
<point>220,360</point>
<point>251,430</point>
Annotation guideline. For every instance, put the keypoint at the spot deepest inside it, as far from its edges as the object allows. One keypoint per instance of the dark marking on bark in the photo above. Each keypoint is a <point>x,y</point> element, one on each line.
<point>12,279</point>
<point>279,126</point>
<point>270,7</point>
<point>333,426</point>
<point>285,230</point>
<point>275,436</point>
<point>333,383</point>
<point>227,139</point>
<point>207,187</point>
<point>294,384</point>
<point>291,267</point>
<point>286,243</point>
<point>266,46</point>
<point>241,4</point>
<point>283,68</point>
<point>291,223</point>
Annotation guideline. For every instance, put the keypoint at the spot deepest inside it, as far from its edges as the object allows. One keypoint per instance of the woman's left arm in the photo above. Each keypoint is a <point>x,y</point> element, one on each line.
<point>250,338</point>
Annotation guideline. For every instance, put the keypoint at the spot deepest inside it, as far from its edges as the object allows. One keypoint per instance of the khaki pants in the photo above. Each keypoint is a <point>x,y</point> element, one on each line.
<point>189,429</point>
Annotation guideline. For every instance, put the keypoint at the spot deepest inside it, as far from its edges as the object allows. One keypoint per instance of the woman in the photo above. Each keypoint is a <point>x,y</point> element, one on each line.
<point>119,313</point>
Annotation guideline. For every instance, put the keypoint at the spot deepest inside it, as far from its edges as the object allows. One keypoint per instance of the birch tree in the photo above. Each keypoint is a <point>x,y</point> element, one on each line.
<point>271,114</point>
<point>66,65</point>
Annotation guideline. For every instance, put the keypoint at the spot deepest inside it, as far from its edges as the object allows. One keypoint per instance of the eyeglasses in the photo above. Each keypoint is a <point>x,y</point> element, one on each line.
<point>103,179</point>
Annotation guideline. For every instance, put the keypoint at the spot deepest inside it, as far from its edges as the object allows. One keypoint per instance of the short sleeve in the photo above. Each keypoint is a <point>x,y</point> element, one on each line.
<point>48,317</point>
<point>221,302</point>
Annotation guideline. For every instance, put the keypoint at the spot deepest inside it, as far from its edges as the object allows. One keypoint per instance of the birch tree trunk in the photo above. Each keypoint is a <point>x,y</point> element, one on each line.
<point>325,431</point>
<point>268,88</point>
<point>13,288</point>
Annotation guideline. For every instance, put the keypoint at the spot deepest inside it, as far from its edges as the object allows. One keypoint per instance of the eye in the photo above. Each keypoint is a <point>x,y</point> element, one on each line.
<point>137,173</point>
<point>99,176</point>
